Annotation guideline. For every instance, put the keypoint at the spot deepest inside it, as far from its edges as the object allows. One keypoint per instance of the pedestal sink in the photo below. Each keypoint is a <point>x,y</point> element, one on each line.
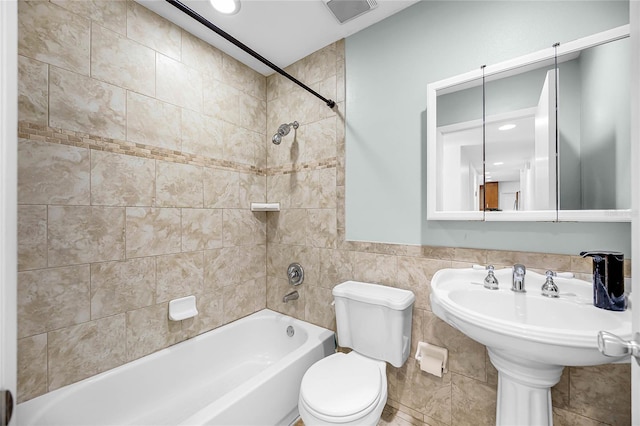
<point>530,338</point>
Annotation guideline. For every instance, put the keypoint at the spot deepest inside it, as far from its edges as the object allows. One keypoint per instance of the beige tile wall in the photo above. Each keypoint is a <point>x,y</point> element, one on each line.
<point>142,147</point>
<point>135,186</point>
<point>306,175</point>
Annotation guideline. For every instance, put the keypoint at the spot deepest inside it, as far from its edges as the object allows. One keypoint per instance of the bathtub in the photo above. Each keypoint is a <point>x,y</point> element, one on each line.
<point>247,372</point>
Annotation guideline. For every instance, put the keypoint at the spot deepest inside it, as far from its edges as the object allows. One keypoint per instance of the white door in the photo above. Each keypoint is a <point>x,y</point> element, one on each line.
<point>545,146</point>
<point>8,202</point>
<point>617,345</point>
<point>635,191</point>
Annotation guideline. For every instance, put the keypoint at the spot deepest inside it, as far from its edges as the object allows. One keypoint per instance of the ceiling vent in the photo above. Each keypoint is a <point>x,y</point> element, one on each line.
<point>345,10</point>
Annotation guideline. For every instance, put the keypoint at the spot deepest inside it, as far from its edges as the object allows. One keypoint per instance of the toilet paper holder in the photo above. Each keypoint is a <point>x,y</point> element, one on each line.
<point>432,359</point>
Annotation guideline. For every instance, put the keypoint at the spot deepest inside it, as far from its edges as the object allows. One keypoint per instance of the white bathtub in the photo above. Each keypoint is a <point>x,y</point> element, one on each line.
<point>247,372</point>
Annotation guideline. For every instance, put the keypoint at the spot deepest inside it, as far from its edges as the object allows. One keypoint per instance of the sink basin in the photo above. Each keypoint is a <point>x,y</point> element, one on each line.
<point>529,337</point>
<point>561,331</point>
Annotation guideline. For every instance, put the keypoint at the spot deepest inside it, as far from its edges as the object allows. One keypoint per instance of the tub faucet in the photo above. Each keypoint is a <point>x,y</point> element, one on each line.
<point>518,278</point>
<point>291,296</point>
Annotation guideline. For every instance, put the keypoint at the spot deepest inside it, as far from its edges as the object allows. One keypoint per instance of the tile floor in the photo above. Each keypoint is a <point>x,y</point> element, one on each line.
<point>390,417</point>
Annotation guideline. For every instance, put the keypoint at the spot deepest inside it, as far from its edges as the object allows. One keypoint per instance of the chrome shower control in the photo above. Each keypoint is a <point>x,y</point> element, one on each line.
<point>295,273</point>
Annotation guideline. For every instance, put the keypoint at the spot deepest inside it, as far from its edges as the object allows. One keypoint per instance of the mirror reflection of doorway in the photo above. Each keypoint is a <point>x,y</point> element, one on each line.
<point>490,196</point>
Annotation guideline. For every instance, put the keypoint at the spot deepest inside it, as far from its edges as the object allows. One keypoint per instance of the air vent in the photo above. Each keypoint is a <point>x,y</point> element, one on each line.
<point>345,10</point>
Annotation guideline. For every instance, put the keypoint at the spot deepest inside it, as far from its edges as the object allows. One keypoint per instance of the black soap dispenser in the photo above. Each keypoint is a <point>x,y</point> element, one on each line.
<point>608,280</point>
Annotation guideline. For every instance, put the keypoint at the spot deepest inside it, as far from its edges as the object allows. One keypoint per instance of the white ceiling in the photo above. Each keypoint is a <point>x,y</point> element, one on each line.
<point>511,149</point>
<point>282,31</point>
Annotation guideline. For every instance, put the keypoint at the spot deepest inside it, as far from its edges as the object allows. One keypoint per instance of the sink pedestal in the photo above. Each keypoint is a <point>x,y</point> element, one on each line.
<point>522,334</point>
<point>524,390</point>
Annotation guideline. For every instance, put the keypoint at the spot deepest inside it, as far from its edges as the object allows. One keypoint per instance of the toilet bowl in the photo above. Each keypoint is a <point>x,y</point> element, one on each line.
<point>351,389</point>
<point>345,389</point>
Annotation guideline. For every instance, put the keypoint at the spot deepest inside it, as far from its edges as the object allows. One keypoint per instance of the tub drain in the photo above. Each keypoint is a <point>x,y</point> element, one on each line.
<point>290,331</point>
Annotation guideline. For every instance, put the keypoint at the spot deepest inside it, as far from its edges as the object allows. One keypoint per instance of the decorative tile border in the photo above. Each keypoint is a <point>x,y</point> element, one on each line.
<point>54,135</point>
<point>39,132</point>
<point>302,167</point>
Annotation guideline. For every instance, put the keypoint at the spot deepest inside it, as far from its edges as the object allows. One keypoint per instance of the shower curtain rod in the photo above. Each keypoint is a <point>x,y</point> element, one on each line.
<point>185,9</point>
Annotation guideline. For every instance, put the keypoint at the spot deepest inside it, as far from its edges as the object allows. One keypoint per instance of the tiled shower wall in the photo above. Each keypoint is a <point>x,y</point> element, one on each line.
<point>140,150</point>
<point>306,175</point>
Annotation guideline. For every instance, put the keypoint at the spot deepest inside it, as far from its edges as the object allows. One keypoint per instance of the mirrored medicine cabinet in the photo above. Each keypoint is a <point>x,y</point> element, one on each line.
<point>542,137</point>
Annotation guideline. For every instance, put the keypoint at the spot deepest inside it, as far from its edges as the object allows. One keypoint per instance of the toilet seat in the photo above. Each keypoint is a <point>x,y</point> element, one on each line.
<point>342,388</point>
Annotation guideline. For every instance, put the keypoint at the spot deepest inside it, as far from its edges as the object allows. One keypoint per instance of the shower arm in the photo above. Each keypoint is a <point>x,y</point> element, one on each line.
<point>193,14</point>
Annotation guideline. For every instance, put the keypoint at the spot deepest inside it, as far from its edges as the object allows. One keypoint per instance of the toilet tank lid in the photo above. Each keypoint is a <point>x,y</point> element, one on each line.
<point>391,297</point>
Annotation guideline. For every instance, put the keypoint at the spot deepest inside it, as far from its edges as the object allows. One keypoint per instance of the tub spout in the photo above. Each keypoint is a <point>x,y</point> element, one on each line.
<point>291,296</point>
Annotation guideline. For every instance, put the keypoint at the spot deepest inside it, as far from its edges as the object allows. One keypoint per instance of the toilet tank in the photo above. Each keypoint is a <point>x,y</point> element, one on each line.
<point>374,320</point>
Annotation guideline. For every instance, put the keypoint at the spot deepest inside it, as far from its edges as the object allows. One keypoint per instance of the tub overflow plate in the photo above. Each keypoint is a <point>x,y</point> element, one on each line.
<point>290,331</point>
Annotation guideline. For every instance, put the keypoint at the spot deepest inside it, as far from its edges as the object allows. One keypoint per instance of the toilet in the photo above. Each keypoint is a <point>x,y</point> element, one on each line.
<point>351,389</point>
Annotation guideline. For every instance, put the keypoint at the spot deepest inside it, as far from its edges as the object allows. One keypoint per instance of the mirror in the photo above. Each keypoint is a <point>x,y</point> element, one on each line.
<point>594,126</point>
<point>460,147</point>
<point>520,141</point>
<point>544,137</point>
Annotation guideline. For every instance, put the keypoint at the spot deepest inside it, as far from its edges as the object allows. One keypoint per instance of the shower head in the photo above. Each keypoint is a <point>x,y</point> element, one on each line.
<point>283,130</point>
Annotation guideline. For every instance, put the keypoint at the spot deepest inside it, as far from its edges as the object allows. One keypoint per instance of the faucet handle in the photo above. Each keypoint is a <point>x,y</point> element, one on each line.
<point>490,281</point>
<point>549,288</point>
<point>295,273</point>
<point>477,267</point>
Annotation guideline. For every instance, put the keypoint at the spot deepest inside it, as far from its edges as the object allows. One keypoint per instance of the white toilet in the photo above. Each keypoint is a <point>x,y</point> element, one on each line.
<point>351,389</point>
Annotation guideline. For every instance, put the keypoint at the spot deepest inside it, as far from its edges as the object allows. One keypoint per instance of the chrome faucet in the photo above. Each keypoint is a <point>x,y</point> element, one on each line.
<point>518,278</point>
<point>291,296</point>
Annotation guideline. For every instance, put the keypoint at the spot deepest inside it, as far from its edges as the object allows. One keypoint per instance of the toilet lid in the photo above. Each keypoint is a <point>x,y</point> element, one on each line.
<point>341,385</point>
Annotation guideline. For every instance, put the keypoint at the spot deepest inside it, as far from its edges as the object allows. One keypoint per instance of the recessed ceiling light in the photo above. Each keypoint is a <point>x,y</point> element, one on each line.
<point>228,7</point>
<point>499,163</point>
<point>507,127</point>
